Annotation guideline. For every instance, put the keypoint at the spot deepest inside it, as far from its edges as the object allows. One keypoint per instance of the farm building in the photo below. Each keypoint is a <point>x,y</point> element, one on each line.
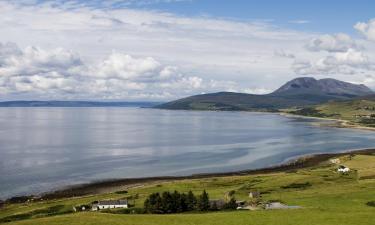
<point>219,203</point>
<point>110,204</point>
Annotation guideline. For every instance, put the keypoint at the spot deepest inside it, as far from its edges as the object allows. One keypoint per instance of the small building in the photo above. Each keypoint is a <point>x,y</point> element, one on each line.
<point>241,204</point>
<point>254,194</point>
<point>335,161</point>
<point>343,169</point>
<point>219,203</point>
<point>110,204</point>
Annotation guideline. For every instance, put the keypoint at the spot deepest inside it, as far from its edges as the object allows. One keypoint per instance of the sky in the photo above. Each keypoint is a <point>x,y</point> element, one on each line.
<point>160,50</point>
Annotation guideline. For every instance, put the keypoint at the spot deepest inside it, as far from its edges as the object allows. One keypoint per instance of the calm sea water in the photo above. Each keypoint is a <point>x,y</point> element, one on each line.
<point>47,148</point>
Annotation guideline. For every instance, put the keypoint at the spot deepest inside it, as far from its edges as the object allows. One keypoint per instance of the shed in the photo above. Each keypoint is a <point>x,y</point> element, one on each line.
<point>254,194</point>
<point>218,202</point>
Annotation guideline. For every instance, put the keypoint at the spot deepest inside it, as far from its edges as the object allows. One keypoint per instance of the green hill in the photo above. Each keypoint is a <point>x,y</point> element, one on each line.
<point>357,111</point>
<point>230,101</point>
<point>302,91</point>
<point>330,198</point>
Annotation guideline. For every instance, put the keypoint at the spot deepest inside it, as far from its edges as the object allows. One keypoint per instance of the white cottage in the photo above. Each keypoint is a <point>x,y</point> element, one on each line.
<point>343,169</point>
<point>110,204</point>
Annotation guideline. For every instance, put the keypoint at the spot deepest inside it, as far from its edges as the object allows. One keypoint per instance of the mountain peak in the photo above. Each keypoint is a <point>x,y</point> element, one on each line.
<point>326,86</point>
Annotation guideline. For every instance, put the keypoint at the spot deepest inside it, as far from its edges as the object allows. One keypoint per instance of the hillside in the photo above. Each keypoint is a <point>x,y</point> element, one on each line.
<point>358,111</point>
<point>302,91</point>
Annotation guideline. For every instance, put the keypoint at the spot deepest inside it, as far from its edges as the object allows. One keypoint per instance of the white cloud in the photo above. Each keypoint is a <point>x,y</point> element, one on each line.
<point>209,48</point>
<point>367,29</point>
<point>332,43</point>
<point>59,72</point>
<point>299,21</point>
<point>93,50</point>
<point>349,62</point>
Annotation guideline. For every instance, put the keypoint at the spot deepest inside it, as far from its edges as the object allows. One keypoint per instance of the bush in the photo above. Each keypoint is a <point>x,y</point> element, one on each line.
<point>371,203</point>
<point>125,211</point>
<point>203,203</point>
<point>230,205</point>
<point>175,202</point>
<point>297,185</point>
<point>50,211</point>
<point>19,199</point>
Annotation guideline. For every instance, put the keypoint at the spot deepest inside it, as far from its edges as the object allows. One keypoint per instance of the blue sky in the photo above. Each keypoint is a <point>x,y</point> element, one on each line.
<point>166,49</point>
<point>323,16</point>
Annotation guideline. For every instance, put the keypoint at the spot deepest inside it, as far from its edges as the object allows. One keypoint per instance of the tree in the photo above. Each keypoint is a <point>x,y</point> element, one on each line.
<point>168,205</point>
<point>153,203</point>
<point>191,201</point>
<point>203,202</point>
<point>181,203</point>
<point>214,206</point>
<point>231,204</point>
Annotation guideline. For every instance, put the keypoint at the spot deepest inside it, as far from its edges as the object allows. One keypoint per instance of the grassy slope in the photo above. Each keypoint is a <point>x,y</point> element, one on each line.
<point>332,199</point>
<point>343,110</point>
<point>347,109</point>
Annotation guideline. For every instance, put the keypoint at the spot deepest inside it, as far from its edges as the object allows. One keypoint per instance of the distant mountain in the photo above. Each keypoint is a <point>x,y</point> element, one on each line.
<point>328,86</point>
<point>297,92</point>
<point>76,104</point>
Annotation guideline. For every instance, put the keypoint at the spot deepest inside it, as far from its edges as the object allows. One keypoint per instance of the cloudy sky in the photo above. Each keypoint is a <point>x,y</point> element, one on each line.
<point>158,50</point>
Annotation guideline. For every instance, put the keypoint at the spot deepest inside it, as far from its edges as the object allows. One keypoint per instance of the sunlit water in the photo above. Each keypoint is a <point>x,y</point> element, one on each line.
<point>42,149</point>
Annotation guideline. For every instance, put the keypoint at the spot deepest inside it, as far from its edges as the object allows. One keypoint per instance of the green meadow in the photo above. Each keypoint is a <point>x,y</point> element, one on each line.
<point>330,198</point>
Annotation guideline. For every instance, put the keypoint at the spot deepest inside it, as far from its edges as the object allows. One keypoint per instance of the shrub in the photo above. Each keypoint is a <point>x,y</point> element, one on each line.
<point>203,203</point>
<point>175,202</point>
<point>230,205</point>
<point>297,185</point>
<point>371,203</point>
<point>126,211</point>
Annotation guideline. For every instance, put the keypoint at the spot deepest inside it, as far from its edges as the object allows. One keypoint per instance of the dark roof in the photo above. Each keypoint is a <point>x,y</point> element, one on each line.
<point>219,202</point>
<point>113,202</point>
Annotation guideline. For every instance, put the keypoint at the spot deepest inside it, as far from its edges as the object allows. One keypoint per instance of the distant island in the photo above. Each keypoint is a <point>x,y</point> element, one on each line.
<point>76,104</point>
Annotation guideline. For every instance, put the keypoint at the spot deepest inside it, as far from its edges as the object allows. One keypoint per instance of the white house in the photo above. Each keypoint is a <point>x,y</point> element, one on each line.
<point>110,204</point>
<point>343,169</point>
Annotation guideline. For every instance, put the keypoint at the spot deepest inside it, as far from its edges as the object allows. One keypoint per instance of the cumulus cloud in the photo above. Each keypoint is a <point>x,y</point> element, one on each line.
<point>349,62</point>
<point>124,53</point>
<point>366,29</point>
<point>335,55</point>
<point>332,43</point>
<point>59,72</point>
<point>207,47</point>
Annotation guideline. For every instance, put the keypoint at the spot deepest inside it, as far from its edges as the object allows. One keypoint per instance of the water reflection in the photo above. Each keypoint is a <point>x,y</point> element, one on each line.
<point>45,148</point>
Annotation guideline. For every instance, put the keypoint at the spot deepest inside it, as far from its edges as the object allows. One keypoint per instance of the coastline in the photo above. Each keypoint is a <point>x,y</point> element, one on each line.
<point>107,186</point>
<point>339,123</point>
<point>297,162</point>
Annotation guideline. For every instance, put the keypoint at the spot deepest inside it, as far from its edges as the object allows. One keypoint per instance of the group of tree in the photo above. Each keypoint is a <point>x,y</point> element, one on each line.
<point>175,202</point>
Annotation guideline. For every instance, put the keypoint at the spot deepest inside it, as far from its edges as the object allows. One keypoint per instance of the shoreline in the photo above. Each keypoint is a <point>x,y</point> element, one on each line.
<point>113,185</point>
<point>340,123</point>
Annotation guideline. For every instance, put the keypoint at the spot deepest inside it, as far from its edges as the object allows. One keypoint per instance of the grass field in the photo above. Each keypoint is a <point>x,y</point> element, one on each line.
<point>331,198</point>
<point>357,112</point>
